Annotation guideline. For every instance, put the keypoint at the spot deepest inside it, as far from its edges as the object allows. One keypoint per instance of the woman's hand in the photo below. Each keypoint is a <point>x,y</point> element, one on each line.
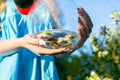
<point>85,26</point>
<point>33,45</point>
<point>84,30</point>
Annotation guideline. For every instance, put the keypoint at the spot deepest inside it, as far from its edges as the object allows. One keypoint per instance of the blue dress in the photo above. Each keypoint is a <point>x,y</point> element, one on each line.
<point>23,64</point>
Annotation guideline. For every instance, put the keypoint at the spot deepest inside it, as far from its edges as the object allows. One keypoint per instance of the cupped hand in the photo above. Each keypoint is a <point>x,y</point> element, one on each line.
<point>85,26</point>
<point>33,45</point>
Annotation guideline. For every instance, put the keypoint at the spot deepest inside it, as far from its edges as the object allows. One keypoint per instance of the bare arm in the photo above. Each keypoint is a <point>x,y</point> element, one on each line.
<point>9,46</point>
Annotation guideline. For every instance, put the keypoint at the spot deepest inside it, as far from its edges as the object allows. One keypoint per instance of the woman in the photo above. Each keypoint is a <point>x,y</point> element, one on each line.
<point>21,57</point>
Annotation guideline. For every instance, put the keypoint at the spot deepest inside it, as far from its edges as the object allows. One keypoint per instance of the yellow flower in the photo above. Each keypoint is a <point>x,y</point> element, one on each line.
<point>116,58</point>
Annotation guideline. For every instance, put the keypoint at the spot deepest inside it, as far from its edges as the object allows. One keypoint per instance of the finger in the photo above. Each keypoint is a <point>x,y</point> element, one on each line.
<point>82,28</point>
<point>40,50</point>
<point>86,14</point>
<point>81,41</point>
<point>82,34</point>
<point>51,51</point>
<point>32,40</point>
<point>87,17</point>
<point>83,17</point>
<point>85,20</point>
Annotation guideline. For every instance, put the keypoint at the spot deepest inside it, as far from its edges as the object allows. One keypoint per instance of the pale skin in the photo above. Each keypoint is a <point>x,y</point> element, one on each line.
<point>84,29</point>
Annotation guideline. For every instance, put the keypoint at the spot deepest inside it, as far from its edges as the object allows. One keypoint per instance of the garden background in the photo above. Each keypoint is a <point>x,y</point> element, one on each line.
<point>99,58</point>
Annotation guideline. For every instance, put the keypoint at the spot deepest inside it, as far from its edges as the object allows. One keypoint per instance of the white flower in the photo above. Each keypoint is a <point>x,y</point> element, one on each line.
<point>108,38</point>
<point>115,17</point>
<point>107,78</point>
<point>105,53</point>
<point>99,54</point>
<point>112,30</point>
<point>92,73</point>
<point>111,15</point>
<point>102,53</point>
<point>91,78</point>
<point>94,76</point>
<point>93,37</point>
<point>95,48</point>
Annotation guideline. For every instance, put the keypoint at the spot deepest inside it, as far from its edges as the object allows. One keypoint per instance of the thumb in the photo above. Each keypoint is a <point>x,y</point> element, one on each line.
<point>32,40</point>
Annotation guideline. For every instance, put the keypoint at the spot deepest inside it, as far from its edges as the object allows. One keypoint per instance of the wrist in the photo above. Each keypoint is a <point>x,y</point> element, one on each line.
<point>21,42</point>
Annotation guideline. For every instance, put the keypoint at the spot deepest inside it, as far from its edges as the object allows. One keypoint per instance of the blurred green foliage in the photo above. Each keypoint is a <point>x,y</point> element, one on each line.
<point>104,64</point>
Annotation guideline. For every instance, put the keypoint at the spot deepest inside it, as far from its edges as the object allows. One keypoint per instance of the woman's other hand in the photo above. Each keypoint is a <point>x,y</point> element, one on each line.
<point>33,45</point>
<point>85,26</point>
